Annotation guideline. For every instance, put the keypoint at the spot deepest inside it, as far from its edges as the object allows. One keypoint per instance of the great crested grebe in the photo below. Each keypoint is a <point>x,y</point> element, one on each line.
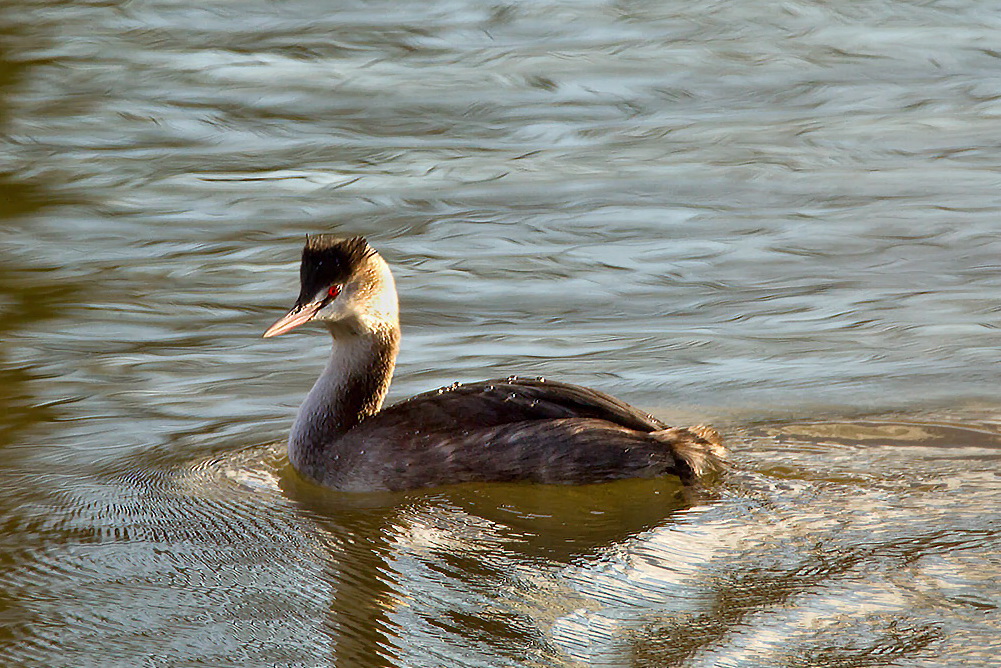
<point>513,429</point>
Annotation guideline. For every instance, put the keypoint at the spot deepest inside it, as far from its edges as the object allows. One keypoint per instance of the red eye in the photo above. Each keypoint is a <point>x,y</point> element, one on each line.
<point>333,291</point>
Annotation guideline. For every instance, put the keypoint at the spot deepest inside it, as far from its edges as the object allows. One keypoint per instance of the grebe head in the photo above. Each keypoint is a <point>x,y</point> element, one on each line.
<point>345,284</point>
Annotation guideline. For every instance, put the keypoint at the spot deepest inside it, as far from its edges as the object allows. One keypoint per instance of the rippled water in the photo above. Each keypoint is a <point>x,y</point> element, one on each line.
<point>780,218</point>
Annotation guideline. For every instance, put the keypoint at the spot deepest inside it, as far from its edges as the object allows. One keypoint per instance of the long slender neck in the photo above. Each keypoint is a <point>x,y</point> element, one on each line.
<point>351,388</point>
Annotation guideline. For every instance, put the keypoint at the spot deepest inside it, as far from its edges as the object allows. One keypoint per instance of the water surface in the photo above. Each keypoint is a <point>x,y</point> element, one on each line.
<point>777,218</point>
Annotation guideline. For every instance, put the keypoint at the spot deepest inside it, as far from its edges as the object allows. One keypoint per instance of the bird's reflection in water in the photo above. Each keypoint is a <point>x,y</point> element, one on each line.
<point>470,563</point>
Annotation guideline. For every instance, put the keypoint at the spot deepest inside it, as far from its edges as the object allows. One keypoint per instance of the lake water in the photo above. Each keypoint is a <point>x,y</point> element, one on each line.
<point>778,218</point>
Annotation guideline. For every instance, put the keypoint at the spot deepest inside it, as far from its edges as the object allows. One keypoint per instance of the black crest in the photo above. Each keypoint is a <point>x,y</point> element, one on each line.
<point>327,259</point>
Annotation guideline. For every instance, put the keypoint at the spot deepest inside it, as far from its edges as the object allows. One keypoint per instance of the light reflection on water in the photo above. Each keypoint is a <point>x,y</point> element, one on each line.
<point>777,218</point>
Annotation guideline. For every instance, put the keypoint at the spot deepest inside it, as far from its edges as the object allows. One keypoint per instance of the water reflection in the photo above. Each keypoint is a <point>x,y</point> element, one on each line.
<point>455,558</point>
<point>25,304</point>
<point>24,299</point>
<point>31,297</point>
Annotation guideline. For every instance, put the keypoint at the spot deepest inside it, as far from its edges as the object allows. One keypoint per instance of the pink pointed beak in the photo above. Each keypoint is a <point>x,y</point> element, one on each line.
<point>299,315</point>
